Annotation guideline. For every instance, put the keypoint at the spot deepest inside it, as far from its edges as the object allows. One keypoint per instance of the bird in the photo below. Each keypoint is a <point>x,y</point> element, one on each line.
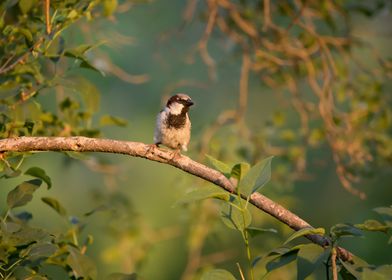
<point>173,126</point>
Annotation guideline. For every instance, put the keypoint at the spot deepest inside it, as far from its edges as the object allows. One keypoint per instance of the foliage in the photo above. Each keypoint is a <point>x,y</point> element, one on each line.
<point>303,50</point>
<point>37,59</point>
<point>306,52</point>
<point>235,215</point>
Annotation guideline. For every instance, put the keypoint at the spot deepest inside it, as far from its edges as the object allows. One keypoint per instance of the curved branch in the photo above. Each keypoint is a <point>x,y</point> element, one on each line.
<point>137,149</point>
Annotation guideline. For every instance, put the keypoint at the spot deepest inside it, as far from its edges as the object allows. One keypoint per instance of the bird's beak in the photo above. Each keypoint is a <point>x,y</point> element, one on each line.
<point>189,102</point>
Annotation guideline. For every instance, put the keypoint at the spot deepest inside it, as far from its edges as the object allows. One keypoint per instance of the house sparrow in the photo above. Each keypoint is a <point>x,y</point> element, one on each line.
<point>173,127</point>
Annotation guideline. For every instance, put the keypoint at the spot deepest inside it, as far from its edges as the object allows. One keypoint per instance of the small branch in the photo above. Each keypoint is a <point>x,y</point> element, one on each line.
<point>5,68</point>
<point>333,263</point>
<point>47,17</point>
<point>137,149</point>
<point>244,85</point>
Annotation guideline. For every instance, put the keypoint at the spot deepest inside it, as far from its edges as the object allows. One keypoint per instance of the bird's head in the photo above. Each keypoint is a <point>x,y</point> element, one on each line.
<point>179,103</point>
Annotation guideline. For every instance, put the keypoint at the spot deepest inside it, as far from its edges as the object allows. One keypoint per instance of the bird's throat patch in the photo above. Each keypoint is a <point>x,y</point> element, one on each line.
<point>176,121</point>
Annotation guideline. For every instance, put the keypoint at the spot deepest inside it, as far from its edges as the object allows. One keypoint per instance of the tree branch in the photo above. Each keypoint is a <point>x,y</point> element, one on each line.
<point>137,149</point>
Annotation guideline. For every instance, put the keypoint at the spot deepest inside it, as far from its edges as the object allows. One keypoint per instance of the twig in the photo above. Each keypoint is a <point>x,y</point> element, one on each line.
<point>47,17</point>
<point>5,68</point>
<point>244,85</point>
<point>241,272</point>
<point>202,46</point>
<point>333,262</point>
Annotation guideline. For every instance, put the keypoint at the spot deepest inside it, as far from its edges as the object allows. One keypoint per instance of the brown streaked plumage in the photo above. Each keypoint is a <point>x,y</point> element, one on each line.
<point>173,127</point>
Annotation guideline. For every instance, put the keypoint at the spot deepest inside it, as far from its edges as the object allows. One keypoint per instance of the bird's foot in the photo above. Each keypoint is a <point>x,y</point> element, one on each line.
<point>175,155</point>
<point>151,148</point>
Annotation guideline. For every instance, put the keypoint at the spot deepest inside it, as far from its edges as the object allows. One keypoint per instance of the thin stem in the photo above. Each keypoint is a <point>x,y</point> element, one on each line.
<point>245,236</point>
<point>241,272</point>
<point>6,214</point>
<point>333,261</point>
<point>20,162</point>
<point>47,17</point>
<point>248,253</point>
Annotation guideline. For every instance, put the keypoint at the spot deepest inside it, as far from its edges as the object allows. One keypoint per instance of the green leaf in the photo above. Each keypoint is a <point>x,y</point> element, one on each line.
<point>203,193</point>
<point>30,126</point>
<point>26,33</point>
<point>82,265</point>
<point>217,274</point>
<point>23,193</point>
<point>257,177</point>
<point>385,213</point>
<point>219,165</point>
<point>239,170</point>
<point>340,230</point>
<point>28,235</point>
<point>90,94</point>
<point>122,276</point>
<point>87,65</point>
<point>253,231</point>
<point>282,260</point>
<point>55,205</point>
<point>111,120</point>
<point>373,225</point>
<point>235,218</point>
<point>40,174</point>
<point>109,7</point>
<point>38,251</point>
<point>263,261</point>
<point>305,231</point>
<point>381,273</point>
<point>25,5</point>
<point>79,53</point>
<point>355,267</point>
<point>10,173</point>
<point>309,257</point>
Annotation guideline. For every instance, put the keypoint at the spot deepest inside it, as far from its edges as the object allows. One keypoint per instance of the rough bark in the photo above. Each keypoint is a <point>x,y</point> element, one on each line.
<point>150,152</point>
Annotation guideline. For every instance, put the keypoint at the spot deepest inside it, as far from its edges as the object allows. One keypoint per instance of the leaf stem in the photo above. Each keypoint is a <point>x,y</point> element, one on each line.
<point>245,235</point>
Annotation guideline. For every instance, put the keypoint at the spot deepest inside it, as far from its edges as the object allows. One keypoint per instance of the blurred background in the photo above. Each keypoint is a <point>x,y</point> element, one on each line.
<point>149,52</point>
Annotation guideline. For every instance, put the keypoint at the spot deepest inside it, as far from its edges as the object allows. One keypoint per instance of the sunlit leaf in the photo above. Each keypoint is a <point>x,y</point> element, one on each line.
<point>355,267</point>
<point>239,170</point>
<point>235,217</point>
<point>27,235</point>
<point>253,231</point>
<point>39,173</point>
<point>111,120</point>
<point>55,205</point>
<point>309,257</point>
<point>305,231</point>
<point>25,5</point>
<point>203,193</point>
<point>23,193</point>
<point>385,213</point>
<point>217,274</point>
<point>340,230</point>
<point>382,272</point>
<point>219,165</point>
<point>38,251</point>
<point>82,265</point>
<point>373,225</point>
<point>109,7</point>
<point>10,173</point>
<point>257,177</point>
<point>282,260</point>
